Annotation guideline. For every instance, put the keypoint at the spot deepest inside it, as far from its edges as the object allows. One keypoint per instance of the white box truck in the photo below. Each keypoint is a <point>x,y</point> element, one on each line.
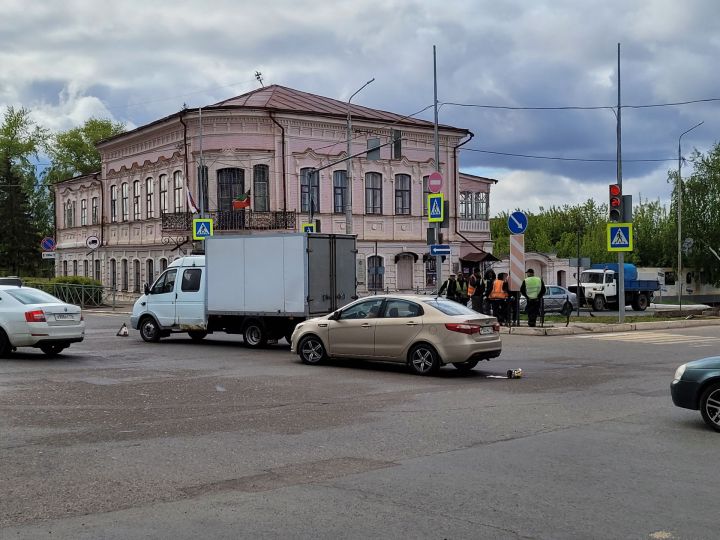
<point>260,286</point>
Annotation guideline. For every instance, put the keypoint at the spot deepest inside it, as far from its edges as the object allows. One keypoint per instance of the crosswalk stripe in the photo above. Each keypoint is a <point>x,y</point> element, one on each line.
<point>653,338</point>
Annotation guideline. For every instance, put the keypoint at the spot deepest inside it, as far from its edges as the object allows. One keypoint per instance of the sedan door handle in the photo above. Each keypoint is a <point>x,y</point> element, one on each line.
<point>366,325</point>
<point>411,323</point>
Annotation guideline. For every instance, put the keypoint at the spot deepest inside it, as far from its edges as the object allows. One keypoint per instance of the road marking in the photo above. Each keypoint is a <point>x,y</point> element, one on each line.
<point>653,338</point>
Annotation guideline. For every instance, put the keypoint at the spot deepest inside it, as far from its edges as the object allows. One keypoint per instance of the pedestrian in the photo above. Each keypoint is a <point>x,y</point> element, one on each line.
<point>489,279</point>
<point>476,290</point>
<point>449,287</point>
<point>533,289</point>
<point>498,297</point>
<point>461,295</point>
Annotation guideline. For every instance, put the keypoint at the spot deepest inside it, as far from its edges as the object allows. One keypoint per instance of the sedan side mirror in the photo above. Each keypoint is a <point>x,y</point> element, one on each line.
<point>146,289</point>
<point>335,316</point>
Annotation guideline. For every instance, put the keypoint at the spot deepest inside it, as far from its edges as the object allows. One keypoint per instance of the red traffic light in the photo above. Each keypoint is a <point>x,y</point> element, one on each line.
<point>614,202</point>
<point>615,190</point>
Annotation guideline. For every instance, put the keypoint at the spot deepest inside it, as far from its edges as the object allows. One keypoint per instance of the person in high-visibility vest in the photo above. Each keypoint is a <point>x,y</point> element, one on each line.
<point>498,295</point>
<point>533,289</point>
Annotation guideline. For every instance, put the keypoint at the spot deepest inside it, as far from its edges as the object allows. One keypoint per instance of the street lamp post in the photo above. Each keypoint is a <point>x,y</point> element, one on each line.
<point>348,163</point>
<point>679,280</point>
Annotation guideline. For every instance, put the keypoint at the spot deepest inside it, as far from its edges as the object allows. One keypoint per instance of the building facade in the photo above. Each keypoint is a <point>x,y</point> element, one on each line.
<point>271,160</point>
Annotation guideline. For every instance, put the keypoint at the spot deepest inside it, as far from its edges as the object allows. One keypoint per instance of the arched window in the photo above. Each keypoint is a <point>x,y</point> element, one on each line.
<point>177,192</point>
<point>405,266</point>
<point>136,200</point>
<point>149,198</point>
<point>163,264</point>
<point>125,275</point>
<point>163,193</point>
<point>136,276</point>
<point>375,273</point>
<point>230,185</point>
<point>75,268</point>
<point>86,268</point>
<point>309,190</point>
<point>150,271</point>
<point>113,274</point>
<point>561,278</point>
<point>373,193</point>
<point>402,194</point>
<point>124,195</point>
<point>261,193</point>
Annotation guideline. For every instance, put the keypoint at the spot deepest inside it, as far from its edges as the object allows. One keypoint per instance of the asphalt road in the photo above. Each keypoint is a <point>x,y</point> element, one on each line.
<point>122,439</point>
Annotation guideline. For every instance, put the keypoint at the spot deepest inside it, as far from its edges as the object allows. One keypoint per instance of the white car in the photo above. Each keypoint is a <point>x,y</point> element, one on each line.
<point>33,318</point>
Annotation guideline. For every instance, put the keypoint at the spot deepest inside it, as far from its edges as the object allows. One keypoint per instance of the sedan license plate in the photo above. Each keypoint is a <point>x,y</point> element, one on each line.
<point>63,317</point>
<point>486,330</point>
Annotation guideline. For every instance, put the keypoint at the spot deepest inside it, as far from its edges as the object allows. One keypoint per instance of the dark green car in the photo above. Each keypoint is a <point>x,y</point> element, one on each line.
<point>697,386</point>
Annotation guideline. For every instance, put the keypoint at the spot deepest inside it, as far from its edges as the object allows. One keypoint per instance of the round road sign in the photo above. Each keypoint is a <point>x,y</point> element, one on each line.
<point>92,242</point>
<point>435,182</point>
<point>517,222</point>
<point>47,244</point>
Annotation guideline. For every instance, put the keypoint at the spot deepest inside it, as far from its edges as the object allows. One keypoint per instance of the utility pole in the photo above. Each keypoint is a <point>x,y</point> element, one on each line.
<point>348,165</point>
<point>201,171</point>
<point>621,255</point>
<point>438,258</point>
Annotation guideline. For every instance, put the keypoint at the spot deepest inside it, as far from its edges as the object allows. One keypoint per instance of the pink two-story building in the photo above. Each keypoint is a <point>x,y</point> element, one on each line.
<point>265,145</point>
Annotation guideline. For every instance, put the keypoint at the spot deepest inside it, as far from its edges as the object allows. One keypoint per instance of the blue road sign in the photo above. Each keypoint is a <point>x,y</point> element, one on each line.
<point>48,244</point>
<point>517,222</point>
<point>202,228</point>
<point>436,205</point>
<point>439,249</point>
<point>308,227</point>
<point>619,236</point>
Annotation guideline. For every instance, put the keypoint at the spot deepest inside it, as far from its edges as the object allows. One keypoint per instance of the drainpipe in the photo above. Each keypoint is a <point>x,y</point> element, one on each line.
<point>185,152</point>
<point>284,183</point>
<point>455,188</point>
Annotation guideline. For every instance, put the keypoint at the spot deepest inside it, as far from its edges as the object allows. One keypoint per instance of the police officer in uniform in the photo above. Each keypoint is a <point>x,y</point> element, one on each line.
<point>533,289</point>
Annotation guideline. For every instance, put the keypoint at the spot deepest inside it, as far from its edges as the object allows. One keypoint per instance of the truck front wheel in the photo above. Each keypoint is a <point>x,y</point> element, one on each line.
<point>149,329</point>
<point>641,302</point>
<point>598,303</point>
<point>254,334</point>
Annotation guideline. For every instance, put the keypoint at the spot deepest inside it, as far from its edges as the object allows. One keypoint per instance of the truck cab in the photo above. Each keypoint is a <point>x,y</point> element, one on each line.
<point>599,287</point>
<point>175,302</point>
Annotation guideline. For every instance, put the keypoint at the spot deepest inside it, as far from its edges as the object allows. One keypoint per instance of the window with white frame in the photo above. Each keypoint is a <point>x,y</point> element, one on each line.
<point>149,197</point>
<point>309,190</point>
<point>163,193</point>
<point>402,194</point>
<point>373,193</point>
<point>136,200</point>
<point>83,212</point>
<point>480,206</point>
<point>375,271</point>
<point>177,192</point>
<point>474,205</point>
<point>125,201</point>
<point>261,193</point>
<point>339,191</point>
<point>94,210</point>
<point>113,203</point>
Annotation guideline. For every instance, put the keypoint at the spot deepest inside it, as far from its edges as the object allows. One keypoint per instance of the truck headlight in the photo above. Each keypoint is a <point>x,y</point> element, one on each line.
<point>679,372</point>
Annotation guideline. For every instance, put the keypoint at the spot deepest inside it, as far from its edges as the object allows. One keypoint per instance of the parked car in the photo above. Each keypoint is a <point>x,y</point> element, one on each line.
<point>554,298</point>
<point>33,318</point>
<point>422,331</point>
<point>697,386</point>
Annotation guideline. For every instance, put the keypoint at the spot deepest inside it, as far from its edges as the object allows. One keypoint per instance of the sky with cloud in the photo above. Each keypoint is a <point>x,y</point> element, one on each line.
<point>135,61</point>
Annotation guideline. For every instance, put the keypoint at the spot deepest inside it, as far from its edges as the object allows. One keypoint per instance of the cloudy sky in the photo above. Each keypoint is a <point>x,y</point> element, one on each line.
<point>135,61</point>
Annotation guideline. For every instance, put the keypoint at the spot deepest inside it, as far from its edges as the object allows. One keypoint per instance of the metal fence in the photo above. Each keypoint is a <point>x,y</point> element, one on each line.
<point>81,295</point>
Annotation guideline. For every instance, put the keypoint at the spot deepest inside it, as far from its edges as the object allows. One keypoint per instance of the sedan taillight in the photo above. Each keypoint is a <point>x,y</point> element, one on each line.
<point>496,327</point>
<point>464,328</point>
<point>35,316</point>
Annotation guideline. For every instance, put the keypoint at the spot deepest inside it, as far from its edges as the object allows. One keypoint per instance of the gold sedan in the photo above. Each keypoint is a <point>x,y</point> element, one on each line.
<point>423,331</point>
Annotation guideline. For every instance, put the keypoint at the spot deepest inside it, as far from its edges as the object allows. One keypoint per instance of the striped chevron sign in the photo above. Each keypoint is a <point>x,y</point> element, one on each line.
<point>517,261</point>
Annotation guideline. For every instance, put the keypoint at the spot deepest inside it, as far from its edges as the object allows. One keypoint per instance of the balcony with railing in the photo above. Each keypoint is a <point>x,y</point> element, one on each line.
<point>473,225</point>
<point>237,220</point>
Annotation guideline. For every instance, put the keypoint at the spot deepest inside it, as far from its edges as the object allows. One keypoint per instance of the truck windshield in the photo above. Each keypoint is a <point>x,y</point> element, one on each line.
<point>592,277</point>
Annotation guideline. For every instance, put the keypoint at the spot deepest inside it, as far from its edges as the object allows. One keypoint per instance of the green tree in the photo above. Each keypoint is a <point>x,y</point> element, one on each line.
<point>73,152</point>
<point>20,193</point>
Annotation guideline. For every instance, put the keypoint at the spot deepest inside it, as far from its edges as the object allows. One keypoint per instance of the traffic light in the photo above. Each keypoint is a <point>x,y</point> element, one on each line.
<point>616,203</point>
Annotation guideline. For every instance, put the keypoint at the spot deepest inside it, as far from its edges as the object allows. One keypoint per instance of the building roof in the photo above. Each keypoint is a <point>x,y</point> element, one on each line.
<point>281,99</point>
<point>474,177</point>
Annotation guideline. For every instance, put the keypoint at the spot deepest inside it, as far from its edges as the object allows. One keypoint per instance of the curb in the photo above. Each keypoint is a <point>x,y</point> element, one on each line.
<point>598,328</point>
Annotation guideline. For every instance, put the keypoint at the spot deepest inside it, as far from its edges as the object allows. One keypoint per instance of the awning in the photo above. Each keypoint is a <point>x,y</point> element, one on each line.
<point>415,256</point>
<point>479,256</point>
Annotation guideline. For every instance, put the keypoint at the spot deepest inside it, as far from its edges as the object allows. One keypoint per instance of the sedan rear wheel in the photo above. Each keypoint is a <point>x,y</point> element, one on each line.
<point>424,359</point>
<point>311,350</point>
<point>52,350</point>
<point>710,406</point>
<point>465,366</point>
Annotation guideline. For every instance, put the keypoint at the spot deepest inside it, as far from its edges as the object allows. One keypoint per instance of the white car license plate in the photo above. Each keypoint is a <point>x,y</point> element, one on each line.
<point>63,317</point>
<point>486,330</point>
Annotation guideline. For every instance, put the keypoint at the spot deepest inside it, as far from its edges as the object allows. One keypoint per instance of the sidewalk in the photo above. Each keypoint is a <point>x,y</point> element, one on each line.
<point>588,328</point>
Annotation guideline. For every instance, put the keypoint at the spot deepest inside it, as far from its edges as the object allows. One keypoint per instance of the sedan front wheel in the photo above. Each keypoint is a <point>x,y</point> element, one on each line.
<point>424,359</point>
<point>710,406</point>
<point>311,350</point>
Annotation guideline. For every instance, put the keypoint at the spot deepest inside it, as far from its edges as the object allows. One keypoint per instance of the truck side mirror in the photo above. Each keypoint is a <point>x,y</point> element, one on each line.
<point>146,289</point>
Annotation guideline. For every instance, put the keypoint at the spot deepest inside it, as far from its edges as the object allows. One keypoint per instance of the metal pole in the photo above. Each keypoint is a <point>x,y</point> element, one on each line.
<point>621,255</point>
<point>679,280</point>
<point>348,165</point>
<point>577,275</point>
<point>201,175</point>
<point>438,258</point>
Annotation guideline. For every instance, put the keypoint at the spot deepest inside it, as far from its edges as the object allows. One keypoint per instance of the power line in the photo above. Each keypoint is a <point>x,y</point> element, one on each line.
<point>579,107</point>
<point>557,158</point>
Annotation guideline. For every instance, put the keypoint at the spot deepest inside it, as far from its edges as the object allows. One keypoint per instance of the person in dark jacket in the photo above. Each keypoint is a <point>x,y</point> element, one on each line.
<point>476,290</point>
<point>451,287</point>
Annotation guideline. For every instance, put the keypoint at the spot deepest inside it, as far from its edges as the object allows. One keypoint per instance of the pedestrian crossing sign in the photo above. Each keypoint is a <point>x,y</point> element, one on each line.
<point>308,227</point>
<point>436,207</point>
<point>202,228</point>
<point>619,236</point>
